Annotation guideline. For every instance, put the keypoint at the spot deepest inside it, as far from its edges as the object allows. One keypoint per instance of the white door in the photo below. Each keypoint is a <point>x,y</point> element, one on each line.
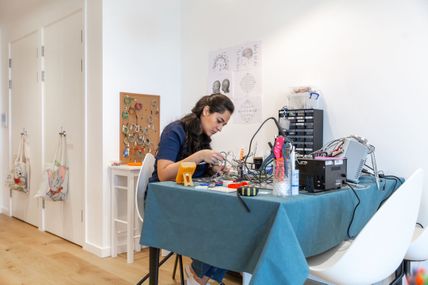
<point>64,108</point>
<point>26,106</point>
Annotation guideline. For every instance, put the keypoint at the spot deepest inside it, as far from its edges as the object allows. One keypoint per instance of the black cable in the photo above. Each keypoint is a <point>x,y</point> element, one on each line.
<point>251,140</point>
<point>419,224</point>
<point>396,180</point>
<point>355,209</point>
<point>257,177</point>
<point>395,177</point>
<point>243,202</point>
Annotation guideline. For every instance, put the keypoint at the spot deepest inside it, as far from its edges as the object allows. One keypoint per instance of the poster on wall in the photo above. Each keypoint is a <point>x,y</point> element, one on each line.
<point>236,72</point>
<point>248,110</point>
<point>220,83</point>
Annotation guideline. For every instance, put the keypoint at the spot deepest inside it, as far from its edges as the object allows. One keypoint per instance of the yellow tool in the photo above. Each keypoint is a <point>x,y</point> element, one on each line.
<point>185,172</point>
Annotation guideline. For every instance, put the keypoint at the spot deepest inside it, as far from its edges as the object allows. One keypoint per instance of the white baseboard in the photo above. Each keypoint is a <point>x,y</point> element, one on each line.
<point>122,248</point>
<point>97,250</point>
<point>4,210</point>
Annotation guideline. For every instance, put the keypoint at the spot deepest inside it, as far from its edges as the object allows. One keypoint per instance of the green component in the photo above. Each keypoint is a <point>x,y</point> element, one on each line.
<point>248,191</point>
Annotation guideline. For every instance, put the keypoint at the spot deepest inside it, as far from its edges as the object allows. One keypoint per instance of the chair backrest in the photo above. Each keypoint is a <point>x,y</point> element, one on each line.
<point>143,179</point>
<point>418,249</point>
<point>380,247</point>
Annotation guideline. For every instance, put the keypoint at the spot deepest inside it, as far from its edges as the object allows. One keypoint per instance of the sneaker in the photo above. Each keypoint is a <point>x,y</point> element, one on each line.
<point>190,280</point>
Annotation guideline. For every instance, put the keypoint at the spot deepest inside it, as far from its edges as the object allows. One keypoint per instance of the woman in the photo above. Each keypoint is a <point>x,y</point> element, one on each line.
<point>188,139</point>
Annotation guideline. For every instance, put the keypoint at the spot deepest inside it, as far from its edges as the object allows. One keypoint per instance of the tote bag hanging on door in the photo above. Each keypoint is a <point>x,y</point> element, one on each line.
<point>19,178</point>
<point>54,184</point>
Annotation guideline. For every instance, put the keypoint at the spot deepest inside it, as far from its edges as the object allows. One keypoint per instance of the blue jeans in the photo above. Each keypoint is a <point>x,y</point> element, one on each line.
<point>212,272</point>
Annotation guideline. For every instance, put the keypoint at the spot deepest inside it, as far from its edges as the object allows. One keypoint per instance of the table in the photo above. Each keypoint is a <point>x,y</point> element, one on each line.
<point>123,179</point>
<point>271,242</point>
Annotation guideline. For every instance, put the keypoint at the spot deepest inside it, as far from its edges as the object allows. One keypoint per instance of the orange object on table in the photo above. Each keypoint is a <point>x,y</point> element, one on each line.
<point>236,185</point>
<point>137,163</point>
<point>185,172</point>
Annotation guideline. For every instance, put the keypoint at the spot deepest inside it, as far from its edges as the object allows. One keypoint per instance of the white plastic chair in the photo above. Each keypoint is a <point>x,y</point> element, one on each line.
<point>142,181</point>
<point>418,249</point>
<point>140,193</point>
<point>380,247</point>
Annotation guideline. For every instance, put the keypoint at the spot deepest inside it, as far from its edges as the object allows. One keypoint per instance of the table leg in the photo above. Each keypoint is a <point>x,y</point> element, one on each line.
<point>130,224</point>
<point>154,265</point>
<point>113,215</point>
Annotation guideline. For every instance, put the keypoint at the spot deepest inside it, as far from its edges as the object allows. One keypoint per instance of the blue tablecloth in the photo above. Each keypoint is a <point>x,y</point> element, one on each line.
<point>271,241</point>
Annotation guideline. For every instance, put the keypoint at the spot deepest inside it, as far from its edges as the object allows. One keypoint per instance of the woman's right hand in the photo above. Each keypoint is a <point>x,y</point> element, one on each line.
<point>211,156</point>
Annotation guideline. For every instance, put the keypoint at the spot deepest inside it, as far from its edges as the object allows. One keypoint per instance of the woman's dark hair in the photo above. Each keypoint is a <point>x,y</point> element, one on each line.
<point>196,139</point>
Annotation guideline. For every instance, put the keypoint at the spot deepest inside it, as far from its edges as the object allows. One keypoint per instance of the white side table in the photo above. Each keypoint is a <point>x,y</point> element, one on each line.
<point>123,179</point>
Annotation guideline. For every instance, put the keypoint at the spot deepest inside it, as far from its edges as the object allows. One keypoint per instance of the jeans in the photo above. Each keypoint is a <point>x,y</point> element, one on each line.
<point>212,272</point>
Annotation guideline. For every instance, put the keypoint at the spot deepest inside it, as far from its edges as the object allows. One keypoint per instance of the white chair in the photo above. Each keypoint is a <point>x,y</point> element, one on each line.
<point>380,247</point>
<point>418,249</point>
<point>142,181</point>
<point>140,193</point>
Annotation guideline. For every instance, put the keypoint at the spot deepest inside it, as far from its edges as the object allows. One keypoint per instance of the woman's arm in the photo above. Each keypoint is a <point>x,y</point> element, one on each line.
<point>167,169</point>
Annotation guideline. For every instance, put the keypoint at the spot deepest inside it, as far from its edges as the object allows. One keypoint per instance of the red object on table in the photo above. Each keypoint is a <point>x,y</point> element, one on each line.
<point>237,184</point>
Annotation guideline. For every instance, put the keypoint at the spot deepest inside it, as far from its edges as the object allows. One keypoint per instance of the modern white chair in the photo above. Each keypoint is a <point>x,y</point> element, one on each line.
<point>418,249</point>
<point>140,193</point>
<point>142,181</point>
<point>380,247</point>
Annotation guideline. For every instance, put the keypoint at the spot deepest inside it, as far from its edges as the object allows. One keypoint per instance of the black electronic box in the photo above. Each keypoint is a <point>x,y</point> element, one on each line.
<point>322,173</point>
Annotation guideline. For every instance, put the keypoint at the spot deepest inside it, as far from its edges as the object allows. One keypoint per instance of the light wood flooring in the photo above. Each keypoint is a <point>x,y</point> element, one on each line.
<point>29,256</point>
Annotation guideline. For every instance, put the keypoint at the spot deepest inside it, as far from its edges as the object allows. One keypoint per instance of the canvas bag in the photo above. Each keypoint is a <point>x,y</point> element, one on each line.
<point>54,185</point>
<point>19,177</point>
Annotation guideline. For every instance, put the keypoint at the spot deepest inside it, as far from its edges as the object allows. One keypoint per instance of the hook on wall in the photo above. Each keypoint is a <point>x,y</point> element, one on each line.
<point>62,132</point>
<point>24,132</point>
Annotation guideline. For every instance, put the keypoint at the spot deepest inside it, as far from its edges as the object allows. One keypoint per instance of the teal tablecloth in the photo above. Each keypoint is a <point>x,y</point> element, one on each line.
<point>271,242</point>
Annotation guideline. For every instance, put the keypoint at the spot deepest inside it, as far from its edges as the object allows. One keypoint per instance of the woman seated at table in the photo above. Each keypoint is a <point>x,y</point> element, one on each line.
<point>188,139</point>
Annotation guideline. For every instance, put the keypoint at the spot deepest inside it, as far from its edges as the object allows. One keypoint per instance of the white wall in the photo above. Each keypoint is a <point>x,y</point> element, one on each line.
<point>94,212</point>
<point>141,54</point>
<point>367,57</point>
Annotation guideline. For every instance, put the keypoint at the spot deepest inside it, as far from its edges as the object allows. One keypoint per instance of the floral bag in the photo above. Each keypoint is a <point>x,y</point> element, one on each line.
<point>19,177</point>
<point>54,184</point>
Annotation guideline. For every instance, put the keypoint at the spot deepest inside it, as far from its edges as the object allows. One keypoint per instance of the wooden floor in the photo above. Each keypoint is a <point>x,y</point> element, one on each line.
<point>29,256</point>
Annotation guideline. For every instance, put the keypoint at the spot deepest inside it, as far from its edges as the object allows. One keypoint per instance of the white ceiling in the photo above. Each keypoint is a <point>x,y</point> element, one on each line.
<point>11,9</point>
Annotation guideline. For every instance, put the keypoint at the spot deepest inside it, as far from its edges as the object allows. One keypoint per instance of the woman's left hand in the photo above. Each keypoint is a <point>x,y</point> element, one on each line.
<point>221,168</point>
<point>211,156</point>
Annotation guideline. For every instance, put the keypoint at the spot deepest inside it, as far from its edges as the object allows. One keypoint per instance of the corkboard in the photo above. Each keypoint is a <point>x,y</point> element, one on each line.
<point>139,125</point>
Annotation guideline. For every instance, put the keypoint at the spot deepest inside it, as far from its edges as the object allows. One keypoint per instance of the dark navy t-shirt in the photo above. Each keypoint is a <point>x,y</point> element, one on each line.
<point>171,147</point>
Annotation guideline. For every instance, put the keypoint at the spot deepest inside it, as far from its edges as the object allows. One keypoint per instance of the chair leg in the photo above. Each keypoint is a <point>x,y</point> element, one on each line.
<point>160,263</point>
<point>175,266</point>
<point>407,269</point>
<point>399,274</point>
<point>180,259</point>
<point>143,279</point>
